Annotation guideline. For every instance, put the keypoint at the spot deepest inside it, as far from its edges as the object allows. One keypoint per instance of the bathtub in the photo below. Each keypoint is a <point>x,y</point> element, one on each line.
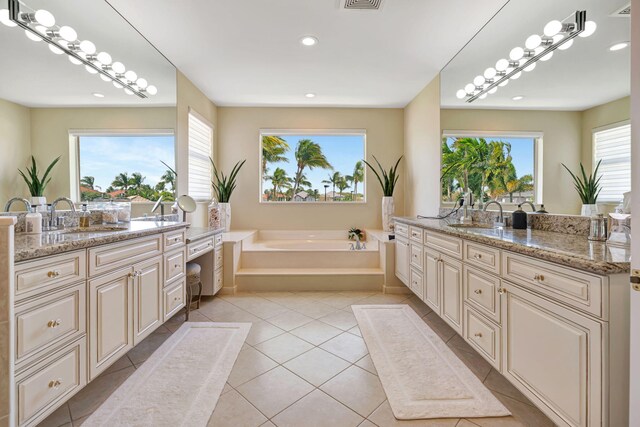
<point>309,245</point>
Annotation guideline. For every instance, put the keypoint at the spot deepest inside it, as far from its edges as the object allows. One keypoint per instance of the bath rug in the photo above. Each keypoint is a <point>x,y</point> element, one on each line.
<point>421,376</point>
<point>179,385</point>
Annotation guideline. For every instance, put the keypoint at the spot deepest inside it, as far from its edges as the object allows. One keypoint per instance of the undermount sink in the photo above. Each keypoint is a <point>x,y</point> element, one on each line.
<point>90,230</point>
<point>473,225</point>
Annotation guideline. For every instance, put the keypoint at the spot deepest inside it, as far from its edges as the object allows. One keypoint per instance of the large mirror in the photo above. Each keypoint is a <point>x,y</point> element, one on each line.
<point>99,96</point>
<point>569,106</point>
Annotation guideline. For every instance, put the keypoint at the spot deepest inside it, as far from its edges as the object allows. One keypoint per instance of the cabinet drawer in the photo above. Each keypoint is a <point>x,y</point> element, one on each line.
<point>174,298</point>
<point>217,280</point>
<point>41,388</point>
<point>415,234</point>
<point>46,274</point>
<point>575,288</point>
<point>483,335</point>
<point>194,250</point>
<point>416,259</point>
<point>107,258</point>
<point>219,258</point>
<point>401,229</point>
<point>416,283</point>
<point>173,239</point>
<point>218,239</point>
<point>174,265</point>
<point>44,322</point>
<point>482,256</point>
<point>481,292</point>
<point>448,245</point>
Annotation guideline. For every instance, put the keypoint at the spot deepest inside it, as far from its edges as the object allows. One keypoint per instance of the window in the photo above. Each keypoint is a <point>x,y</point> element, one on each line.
<point>494,166</point>
<point>312,166</point>
<point>200,150</point>
<point>612,145</point>
<point>138,165</point>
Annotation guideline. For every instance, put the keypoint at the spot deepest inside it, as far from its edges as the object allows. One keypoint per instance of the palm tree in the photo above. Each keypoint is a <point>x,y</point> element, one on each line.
<point>137,180</point>
<point>169,177</point>
<point>342,185</point>
<point>89,182</point>
<point>122,181</point>
<point>308,155</point>
<point>279,179</point>
<point>358,176</point>
<point>333,180</point>
<point>273,150</point>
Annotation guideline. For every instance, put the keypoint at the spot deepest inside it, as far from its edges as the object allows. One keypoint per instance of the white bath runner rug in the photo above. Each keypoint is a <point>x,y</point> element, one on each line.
<point>421,376</point>
<point>179,385</point>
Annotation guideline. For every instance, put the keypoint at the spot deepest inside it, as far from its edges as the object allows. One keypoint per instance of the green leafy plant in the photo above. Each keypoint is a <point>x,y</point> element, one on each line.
<point>36,183</point>
<point>588,187</point>
<point>353,232</point>
<point>387,180</point>
<point>223,185</point>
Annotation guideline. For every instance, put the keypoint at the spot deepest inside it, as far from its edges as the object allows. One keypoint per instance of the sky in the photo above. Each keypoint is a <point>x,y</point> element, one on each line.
<point>342,151</point>
<point>521,153</point>
<point>103,157</point>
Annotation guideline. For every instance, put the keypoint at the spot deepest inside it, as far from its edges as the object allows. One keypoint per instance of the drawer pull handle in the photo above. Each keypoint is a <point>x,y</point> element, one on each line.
<point>176,265</point>
<point>502,291</point>
<point>55,383</point>
<point>477,256</point>
<point>538,277</point>
<point>478,335</point>
<point>477,291</point>
<point>54,323</point>
<point>177,239</point>
<point>53,273</point>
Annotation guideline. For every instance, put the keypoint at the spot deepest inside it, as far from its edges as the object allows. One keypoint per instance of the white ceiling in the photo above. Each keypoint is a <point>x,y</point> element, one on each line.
<point>248,52</point>
<point>33,76</point>
<point>585,75</point>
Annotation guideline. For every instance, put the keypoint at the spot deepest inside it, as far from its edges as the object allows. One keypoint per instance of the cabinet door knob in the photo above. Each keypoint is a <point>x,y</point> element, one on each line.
<point>477,291</point>
<point>55,383</point>
<point>502,291</point>
<point>54,323</point>
<point>478,335</point>
<point>53,273</point>
<point>538,277</point>
<point>477,256</point>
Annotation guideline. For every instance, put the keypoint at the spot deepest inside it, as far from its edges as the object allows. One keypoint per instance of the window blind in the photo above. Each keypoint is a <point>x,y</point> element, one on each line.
<point>200,146</point>
<point>613,147</point>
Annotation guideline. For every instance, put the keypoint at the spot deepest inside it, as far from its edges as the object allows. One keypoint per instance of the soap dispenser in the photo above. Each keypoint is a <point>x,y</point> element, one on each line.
<point>542,210</point>
<point>519,219</point>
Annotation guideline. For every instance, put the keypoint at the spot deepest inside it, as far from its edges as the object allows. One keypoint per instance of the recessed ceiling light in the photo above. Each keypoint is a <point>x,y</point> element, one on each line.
<point>98,95</point>
<point>310,95</point>
<point>518,97</point>
<point>619,46</point>
<point>309,41</point>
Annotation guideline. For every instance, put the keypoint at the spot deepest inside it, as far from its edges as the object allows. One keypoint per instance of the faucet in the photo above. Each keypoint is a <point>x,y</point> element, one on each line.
<point>17,199</point>
<point>533,207</point>
<point>358,246</point>
<point>467,201</point>
<point>500,222</point>
<point>53,224</point>
<point>155,208</point>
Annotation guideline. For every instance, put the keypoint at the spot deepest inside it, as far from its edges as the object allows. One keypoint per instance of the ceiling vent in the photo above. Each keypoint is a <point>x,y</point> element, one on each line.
<point>362,4</point>
<point>623,12</point>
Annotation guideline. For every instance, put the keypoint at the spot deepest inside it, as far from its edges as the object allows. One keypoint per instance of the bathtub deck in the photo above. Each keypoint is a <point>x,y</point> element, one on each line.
<point>310,279</point>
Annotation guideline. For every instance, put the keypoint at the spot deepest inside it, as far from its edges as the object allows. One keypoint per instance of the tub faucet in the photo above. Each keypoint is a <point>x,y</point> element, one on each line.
<point>358,246</point>
<point>57,224</point>
<point>17,199</point>
<point>500,222</point>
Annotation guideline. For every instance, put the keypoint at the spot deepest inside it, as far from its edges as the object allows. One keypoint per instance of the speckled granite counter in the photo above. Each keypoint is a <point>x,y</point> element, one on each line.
<point>197,233</point>
<point>29,246</point>
<point>569,250</point>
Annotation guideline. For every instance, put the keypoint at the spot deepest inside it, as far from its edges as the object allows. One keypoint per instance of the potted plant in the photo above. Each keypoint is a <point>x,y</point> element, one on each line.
<point>388,181</point>
<point>37,184</point>
<point>588,188</point>
<point>356,232</point>
<point>223,186</point>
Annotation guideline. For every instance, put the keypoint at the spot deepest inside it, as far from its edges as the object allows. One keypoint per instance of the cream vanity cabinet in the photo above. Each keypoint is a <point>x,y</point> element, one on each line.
<point>402,253</point>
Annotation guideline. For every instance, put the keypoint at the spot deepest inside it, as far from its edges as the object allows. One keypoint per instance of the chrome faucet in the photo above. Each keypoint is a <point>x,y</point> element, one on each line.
<point>533,207</point>
<point>500,222</point>
<point>155,208</point>
<point>358,246</point>
<point>57,224</point>
<point>17,199</point>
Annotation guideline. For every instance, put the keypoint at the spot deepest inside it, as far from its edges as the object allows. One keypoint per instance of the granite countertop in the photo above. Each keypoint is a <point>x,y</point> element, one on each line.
<point>566,249</point>
<point>197,233</point>
<point>30,246</point>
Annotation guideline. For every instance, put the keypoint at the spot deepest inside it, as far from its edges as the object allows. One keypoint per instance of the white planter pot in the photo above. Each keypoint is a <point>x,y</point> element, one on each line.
<point>40,203</point>
<point>225,216</point>
<point>214,215</point>
<point>387,213</point>
<point>589,210</point>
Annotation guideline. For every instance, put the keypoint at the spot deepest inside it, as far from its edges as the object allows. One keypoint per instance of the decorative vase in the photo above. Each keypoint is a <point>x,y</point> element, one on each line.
<point>40,203</point>
<point>214,214</point>
<point>387,213</point>
<point>225,216</point>
<point>589,210</point>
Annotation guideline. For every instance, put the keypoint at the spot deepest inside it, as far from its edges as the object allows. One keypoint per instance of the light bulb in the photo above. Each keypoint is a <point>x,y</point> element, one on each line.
<point>489,73</point>
<point>32,36</point>
<point>461,94</point>
<point>516,75</point>
<point>88,47</point>
<point>566,45</point>
<point>118,85</point>
<point>55,49</point>
<point>504,83</point>
<point>618,46</point>
<point>118,67</point>
<point>589,28</point>
<point>516,53</point>
<point>478,81</point>
<point>547,57</point>
<point>533,41</point>
<point>105,78</point>
<point>127,91</point>
<point>502,65</point>
<point>552,28</point>
<point>74,61</point>
<point>142,83</point>
<point>4,18</point>
<point>131,76</point>
<point>309,41</point>
<point>90,69</point>
<point>530,67</point>
<point>68,33</point>
<point>469,88</point>
<point>518,97</point>
<point>44,17</point>
<point>557,38</point>
<point>152,89</point>
<point>483,96</point>
<point>41,29</point>
<point>104,58</point>
<point>493,90</point>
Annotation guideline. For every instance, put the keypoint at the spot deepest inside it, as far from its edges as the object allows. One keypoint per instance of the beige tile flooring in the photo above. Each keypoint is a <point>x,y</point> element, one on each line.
<point>304,364</point>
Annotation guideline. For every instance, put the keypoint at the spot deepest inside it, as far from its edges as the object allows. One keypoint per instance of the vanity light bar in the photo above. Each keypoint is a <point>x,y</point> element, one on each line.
<point>40,25</point>
<point>557,35</point>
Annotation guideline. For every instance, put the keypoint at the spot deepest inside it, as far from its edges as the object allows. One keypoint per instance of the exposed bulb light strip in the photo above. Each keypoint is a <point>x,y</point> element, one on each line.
<point>557,35</point>
<point>40,25</point>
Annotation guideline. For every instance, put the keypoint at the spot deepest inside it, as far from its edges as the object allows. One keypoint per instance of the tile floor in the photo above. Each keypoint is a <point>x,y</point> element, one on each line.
<point>304,364</point>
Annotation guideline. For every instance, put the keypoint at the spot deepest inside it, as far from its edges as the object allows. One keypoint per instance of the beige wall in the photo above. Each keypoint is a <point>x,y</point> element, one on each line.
<point>602,115</point>
<point>190,97</point>
<point>422,151</point>
<point>238,133</point>
<point>562,144</point>
<point>50,133</point>
<point>15,146</point>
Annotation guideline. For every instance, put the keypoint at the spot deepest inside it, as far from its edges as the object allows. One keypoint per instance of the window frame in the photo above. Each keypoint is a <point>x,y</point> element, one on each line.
<point>593,150</point>
<point>538,143</point>
<point>207,122</point>
<point>310,132</point>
